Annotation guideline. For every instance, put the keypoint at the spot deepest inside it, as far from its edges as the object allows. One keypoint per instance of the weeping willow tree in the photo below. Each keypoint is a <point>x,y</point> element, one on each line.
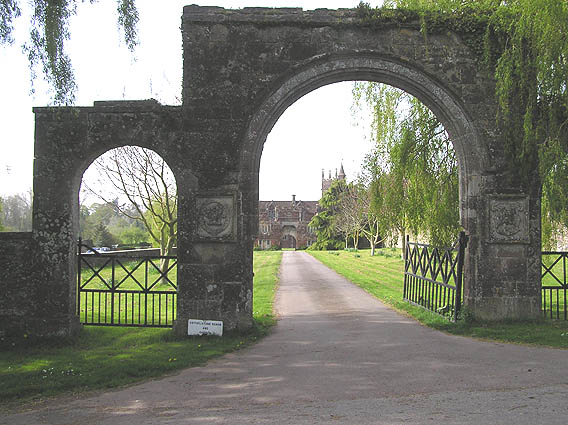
<point>525,44</point>
<point>412,170</point>
<point>49,30</point>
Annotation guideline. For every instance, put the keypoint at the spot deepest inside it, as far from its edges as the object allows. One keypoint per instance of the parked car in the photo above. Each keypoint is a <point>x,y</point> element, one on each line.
<point>99,249</point>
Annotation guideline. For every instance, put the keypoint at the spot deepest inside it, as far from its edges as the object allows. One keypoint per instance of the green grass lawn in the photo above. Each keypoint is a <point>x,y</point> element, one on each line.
<point>382,276</point>
<point>106,357</point>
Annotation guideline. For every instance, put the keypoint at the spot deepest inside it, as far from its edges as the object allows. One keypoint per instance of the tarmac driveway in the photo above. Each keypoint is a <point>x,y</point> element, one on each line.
<point>340,356</point>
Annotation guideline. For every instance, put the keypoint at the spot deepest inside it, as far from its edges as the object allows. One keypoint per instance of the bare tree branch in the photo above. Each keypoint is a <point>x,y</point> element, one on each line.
<point>142,178</point>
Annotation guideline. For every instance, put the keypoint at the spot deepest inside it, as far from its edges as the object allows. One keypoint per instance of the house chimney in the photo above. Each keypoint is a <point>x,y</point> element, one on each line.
<point>293,199</point>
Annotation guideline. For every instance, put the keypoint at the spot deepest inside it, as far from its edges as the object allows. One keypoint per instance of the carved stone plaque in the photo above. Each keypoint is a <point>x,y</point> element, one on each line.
<point>509,219</point>
<point>216,218</point>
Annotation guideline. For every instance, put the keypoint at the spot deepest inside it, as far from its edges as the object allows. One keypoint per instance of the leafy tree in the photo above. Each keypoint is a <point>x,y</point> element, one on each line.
<point>133,235</point>
<point>324,222</point>
<point>122,228</point>
<point>85,225</point>
<point>356,216</point>
<point>49,29</point>
<point>162,217</point>
<point>102,237</point>
<point>17,212</point>
<point>426,166</point>
<point>351,216</point>
<point>376,229</point>
<point>524,42</point>
<point>412,172</point>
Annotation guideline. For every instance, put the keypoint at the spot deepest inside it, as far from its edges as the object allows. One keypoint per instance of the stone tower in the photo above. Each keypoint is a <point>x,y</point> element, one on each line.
<point>326,183</point>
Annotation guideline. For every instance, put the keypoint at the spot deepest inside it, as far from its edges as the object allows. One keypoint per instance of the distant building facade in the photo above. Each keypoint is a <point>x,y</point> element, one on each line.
<point>285,224</point>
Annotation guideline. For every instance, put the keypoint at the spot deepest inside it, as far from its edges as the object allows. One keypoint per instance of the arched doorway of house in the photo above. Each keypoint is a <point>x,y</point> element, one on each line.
<point>289,237</point>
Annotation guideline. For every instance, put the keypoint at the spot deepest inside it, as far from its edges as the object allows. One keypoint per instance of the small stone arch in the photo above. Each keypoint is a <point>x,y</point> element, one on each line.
<point>63,155</point>
<point>96,153</point>
<point>91,155</point>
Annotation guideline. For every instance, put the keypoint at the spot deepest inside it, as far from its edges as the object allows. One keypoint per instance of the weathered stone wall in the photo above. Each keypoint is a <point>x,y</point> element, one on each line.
<point>16,282</point>
<point>242,69</point>
<point>29,304</point>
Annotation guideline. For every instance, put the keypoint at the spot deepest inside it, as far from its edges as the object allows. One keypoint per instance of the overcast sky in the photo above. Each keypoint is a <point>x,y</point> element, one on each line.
<point>316,132</point>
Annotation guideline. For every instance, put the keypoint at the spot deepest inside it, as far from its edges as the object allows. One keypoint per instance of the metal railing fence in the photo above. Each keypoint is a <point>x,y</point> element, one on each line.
<point>120,289</point>
<point>553,285</point>
<point>433,277</point>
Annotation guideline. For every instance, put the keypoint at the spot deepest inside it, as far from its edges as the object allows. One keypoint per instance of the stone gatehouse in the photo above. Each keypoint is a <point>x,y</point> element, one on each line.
<point>242,69</point>
<point>285,224</point>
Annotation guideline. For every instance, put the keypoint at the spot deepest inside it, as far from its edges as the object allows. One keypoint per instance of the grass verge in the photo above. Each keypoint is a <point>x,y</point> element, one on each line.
<point>382,276</point>
<point>104,357</point>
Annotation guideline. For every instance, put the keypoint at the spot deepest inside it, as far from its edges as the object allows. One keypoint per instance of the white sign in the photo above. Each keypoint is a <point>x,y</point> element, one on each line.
<point>204,327</point>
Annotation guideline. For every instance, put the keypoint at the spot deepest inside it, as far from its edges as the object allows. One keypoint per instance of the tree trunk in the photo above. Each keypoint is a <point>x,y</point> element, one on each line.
<point>370,238</point>
<point>376,238</point>
<point>403,236</point>
<point>166,245</point>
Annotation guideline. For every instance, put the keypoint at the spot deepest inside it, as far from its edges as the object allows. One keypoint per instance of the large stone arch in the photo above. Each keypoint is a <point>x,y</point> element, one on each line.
<point>470,149</point>
<point>367,67</point>
<point>243,68</point>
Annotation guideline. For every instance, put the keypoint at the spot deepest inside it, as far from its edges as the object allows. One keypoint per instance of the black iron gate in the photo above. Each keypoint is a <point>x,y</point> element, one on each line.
<point>125,288</point>
<point>433,277</point>
<point>554,286</point>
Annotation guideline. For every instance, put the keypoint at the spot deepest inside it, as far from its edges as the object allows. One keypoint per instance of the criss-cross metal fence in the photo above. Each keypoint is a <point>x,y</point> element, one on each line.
<point>433,277</point>
<point>554,285</point>
<point>126,289</point>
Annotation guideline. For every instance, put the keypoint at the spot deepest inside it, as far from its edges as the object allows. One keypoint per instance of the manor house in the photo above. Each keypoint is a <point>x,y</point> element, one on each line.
<point>285,224</point>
